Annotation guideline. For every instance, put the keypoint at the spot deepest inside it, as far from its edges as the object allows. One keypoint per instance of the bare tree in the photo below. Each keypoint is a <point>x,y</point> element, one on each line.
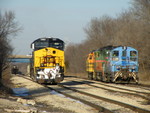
<point>130,28</point>
<point>141,9</point>
<point>101,31</point>
<point>8,27</point>
<point>75,55</point>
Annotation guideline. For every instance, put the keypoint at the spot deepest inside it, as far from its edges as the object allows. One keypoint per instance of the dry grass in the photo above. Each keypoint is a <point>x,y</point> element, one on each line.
<point>6,77</point>
<point>5,87</point>
<point>144,77</point>
<point>7,73</point>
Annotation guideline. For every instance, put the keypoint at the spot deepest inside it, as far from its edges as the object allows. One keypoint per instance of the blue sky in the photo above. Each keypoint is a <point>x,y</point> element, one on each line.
<point>64,19</point>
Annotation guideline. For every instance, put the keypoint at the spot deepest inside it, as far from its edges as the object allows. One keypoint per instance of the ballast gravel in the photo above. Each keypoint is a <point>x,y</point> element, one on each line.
<point>43,95</point>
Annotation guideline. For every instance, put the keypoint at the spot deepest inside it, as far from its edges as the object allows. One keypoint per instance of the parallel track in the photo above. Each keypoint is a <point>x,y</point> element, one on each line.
<point>109,85</point>
<point>146,87</point>
<point>97,107</point>
<point>128,93</point>
<point>134,108</point>
<point>143,86</point>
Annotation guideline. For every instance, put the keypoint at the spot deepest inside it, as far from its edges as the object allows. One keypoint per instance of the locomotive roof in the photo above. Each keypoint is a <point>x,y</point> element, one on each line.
<point>107,47</point>
<point>50,39</point>
<point>110,47</point>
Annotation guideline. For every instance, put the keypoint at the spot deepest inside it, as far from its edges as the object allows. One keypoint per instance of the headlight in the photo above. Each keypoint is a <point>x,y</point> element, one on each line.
<point>42,65</point>
<point>115,58</point>
<point>133,67</point>
<point>118,67</point>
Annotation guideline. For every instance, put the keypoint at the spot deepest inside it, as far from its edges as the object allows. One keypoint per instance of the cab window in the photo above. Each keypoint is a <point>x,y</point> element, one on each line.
<point>115,55</point>
<point>133,55</point>
<point>90,57</point>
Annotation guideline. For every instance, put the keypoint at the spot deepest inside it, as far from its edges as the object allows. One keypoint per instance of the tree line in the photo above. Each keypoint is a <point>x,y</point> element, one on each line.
<point>8,28</point>
<point>129,28</point>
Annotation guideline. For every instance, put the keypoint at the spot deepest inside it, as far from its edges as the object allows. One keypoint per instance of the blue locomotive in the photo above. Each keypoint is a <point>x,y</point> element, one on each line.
<point>113,64</point>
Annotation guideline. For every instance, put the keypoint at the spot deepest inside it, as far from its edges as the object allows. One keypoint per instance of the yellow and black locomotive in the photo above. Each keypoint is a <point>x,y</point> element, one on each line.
<point>47,62</point>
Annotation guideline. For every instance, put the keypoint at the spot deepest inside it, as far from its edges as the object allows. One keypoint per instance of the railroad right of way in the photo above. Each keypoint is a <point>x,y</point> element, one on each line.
<point>76,101</point>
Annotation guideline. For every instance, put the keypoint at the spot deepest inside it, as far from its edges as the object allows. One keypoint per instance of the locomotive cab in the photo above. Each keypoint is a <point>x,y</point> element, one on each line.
<point>124,64</point>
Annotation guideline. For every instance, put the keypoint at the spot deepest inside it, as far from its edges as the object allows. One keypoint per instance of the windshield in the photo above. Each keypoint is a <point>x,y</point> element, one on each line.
<point>115,55</point>
<point>45,43</point>
<point>42,44</point>
<point>133,55</point>
<point>57,45</point>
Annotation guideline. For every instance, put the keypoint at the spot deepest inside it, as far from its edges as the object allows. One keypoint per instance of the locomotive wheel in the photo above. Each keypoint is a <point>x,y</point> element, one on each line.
<point>34,78</point>
<point>104,79</point>
<point>54,83</point>
<point>99,77</point>
<point>137,78</point>
<point>108,78</point>
<point>111,79</point>
<point>90,75</point>
<point>95,76</point>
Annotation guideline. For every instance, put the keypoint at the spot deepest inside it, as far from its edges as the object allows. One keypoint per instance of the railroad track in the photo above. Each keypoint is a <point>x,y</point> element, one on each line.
<point>129,94</point>
<point>143,86</point>
<point>144,95</point>
<point>134,108</point>
<point>97,107</point>
<point>58,89</point>
<point>83,97</point>
<point>141,90</point>
<point>94,100</point>
<point>133,93</point>
<point>146,87</point>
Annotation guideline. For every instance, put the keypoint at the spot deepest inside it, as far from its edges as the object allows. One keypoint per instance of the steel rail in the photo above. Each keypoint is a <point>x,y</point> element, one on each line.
<point>97,107</point>
<point>134,94</point>
<point>134,108</point>
<point>115,86</point>
<point>142,86</point>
